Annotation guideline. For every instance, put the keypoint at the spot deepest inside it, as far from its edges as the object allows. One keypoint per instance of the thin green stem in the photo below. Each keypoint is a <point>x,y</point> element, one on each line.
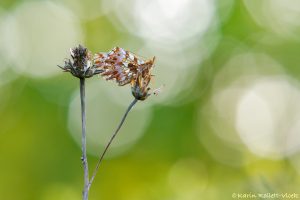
<point>110,141</point>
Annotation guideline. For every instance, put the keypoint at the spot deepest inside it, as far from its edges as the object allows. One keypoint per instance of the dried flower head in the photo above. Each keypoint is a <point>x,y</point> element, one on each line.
<point>81,63</point>
<point>125,67</point>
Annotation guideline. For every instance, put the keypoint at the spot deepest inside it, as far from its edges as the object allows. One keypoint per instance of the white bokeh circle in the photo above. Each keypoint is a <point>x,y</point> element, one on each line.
<point>166,22</point>
<point>35,36</point>
<point>268,117</point>
<point>279,16</point>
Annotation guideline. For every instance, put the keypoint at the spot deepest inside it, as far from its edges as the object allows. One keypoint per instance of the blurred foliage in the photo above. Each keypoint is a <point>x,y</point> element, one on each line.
<point>40,160</point>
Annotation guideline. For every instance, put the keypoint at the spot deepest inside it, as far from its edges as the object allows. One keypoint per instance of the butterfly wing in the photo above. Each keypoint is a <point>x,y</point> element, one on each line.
<point>122,66</point>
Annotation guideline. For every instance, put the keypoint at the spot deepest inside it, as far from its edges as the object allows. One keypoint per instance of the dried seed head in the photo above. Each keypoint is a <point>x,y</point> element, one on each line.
<point>81,63</point>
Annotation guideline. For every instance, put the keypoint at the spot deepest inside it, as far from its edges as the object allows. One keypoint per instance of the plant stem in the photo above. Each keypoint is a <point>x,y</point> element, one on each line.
<point>85,191</point>
<point>110,141</point>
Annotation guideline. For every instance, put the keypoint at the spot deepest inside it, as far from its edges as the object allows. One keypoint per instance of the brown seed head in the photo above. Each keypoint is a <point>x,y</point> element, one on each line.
<point>81,63</point>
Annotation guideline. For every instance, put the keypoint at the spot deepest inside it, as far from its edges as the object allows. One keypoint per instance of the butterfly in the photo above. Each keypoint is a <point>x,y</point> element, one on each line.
<point>123,66</point>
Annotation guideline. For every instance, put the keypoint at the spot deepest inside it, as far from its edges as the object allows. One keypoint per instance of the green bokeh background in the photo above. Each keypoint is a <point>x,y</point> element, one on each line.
<point>41,161</point>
